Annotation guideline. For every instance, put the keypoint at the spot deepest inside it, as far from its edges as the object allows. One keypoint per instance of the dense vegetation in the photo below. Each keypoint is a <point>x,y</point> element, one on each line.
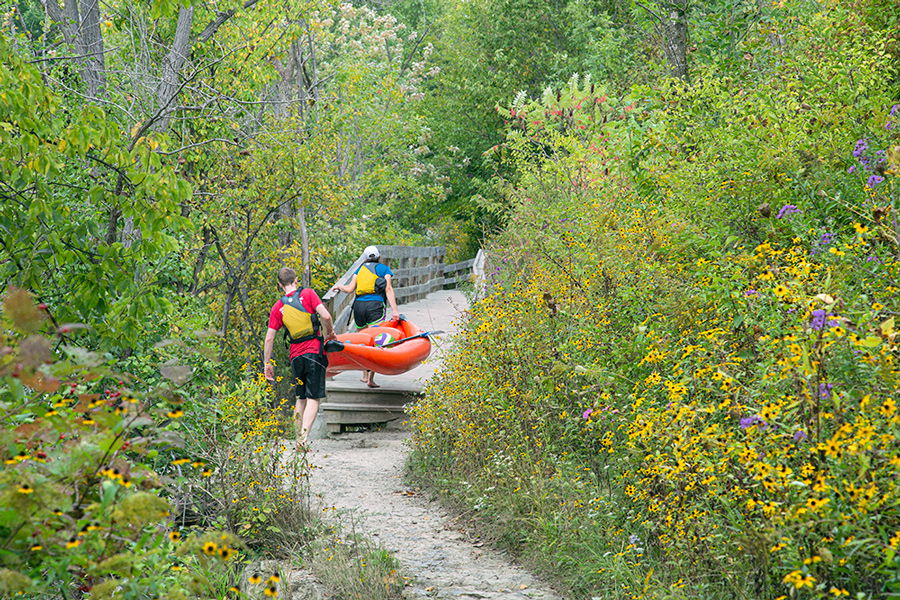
<point>679,380</point>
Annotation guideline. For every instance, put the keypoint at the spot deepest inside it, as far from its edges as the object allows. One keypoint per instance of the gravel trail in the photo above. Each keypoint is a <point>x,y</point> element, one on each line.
<point>362,473</point>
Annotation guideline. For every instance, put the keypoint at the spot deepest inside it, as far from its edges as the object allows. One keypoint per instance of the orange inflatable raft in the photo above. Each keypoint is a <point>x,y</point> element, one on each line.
<point>358,351</point>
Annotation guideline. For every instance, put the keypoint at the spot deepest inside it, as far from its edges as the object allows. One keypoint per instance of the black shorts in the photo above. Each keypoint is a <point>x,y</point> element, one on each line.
<point>368,312</point>
<point>309,375</point>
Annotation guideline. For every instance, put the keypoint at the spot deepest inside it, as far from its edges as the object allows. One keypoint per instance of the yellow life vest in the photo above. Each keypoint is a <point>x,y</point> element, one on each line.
<point>367,282</point>
<point>301,326</point>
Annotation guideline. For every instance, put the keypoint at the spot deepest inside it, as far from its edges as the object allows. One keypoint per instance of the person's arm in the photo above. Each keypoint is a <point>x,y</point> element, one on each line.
<point>391,298</point>
<point>347,289</point>
<point>326,321</point>
<point>269,368</point>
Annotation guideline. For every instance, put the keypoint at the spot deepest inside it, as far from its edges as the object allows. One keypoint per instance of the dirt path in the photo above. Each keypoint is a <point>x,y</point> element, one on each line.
<point>362,473</point>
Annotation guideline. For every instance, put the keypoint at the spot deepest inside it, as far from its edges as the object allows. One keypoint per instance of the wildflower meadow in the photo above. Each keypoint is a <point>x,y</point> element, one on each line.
<point>681,380</point>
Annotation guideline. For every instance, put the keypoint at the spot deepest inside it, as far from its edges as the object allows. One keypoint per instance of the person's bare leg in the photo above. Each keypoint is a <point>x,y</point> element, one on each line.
<point>309,417</point>
<point>371,381</point>
<point>365,377</point>
<point>299,412</point>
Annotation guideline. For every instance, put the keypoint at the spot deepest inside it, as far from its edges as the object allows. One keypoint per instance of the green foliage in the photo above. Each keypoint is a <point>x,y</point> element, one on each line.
<point>63,171</point>
<point>355,567</point>
<point>240,476</point>
<point>681,382</point>
<point>775,130</point>
<point>82,506</point>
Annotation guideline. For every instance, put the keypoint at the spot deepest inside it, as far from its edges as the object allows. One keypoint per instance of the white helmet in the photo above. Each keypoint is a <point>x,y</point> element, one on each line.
<point>371,253</point>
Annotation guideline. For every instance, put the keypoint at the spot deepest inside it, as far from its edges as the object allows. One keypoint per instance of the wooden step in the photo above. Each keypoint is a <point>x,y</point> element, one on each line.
<point>352,405</point>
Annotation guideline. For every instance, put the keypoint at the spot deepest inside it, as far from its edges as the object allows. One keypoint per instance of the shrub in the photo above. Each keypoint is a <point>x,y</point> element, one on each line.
<point>81,508</point>
<point>650,404</point>
<point>243,480</point>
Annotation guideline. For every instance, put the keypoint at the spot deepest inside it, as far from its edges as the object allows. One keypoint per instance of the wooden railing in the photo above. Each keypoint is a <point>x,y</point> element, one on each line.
<point>417,271</point>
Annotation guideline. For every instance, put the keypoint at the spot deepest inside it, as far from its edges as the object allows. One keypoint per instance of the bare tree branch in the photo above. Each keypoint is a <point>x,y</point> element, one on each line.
<point>213,26</point>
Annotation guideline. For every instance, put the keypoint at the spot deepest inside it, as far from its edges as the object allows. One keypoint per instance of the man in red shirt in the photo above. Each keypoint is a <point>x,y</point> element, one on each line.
<point>307,357</point>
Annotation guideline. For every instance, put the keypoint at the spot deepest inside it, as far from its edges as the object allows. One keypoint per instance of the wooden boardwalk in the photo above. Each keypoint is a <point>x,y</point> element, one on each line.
<point>350,403</point>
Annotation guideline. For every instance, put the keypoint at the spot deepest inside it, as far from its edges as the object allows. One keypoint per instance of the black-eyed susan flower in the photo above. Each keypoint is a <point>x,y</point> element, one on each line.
<point>174,536</point>
<point>234,590</point>
<point>37,548</point>
<point>816,503</point>
<point>209,548</point>
<point>226,552</point>
<point>175,414</point>
<point>275,578</point>
<point>254,579</point>
<point>73,543</point>
<point>180,461</point>
<point>271,591</point>
<point>24,488</point>
<point>88,422</point>
<point>206,472</point>
<point>198,463</point>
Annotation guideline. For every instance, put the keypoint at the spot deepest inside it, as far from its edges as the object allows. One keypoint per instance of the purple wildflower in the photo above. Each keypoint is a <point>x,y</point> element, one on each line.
<point>799,435</point>
<point>823,242</point>
<point>851,169</point>
<point>587,414</point>
<point>751,293</point>
<point>894,110</point>
<point>818,319</point>
<point>787,210</point>
<point>748,422</point>
<point>860,148</point>
<point>825,390</point>
<point>874,180</point>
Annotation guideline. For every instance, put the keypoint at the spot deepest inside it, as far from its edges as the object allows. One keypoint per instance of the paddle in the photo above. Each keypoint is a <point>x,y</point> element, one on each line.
<point>412,337</point>
<point>338,346</point>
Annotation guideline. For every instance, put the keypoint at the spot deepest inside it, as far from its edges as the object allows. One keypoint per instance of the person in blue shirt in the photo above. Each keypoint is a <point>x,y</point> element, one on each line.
<point>372,285</point>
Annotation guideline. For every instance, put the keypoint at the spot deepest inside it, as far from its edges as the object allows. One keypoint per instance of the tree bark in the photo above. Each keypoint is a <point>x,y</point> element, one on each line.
<point>79,22</point>
<point>306,279</point>
<point>285,213</point>
<point>201,260</point>
<point>172,65</point>
<point>676,40</point>
<point>93,69</point>
<point>226,314</point>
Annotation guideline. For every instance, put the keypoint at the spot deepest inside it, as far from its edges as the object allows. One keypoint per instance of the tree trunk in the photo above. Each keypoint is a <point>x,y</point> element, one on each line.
<point>314,80</point>
<point>226,313</point>
<point>171,67</point>
<point>306,279</point>
<point>285,214</point>
<point>675,33</point>
<point>79,22</point>
<point>201,260</point>
<point>93,66</point>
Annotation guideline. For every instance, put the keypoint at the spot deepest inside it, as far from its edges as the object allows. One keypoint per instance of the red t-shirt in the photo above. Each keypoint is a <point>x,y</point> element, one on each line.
<point>310,301</point>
